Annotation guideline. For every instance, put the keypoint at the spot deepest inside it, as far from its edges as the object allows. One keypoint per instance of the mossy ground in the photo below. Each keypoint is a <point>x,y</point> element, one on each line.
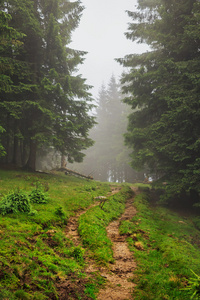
<point>37,260</point>
<point>36,256</point>
<point>166,247</point>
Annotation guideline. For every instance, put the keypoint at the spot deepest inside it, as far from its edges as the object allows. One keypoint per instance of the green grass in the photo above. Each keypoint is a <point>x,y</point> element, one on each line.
<point>92,225</point>
<point>38,261</point>
<point>35,255</point>
<point>166,248</point>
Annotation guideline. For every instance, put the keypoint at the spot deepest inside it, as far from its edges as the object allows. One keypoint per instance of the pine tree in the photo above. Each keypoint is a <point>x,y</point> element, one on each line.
<point>13,82</point>
<point>55,108</point>
<point>163,84</point>
<point>108,159</point>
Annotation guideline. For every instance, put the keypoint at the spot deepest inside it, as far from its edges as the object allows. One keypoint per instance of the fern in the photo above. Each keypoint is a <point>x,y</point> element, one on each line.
<point>38,196</point>
<point>16,201</point>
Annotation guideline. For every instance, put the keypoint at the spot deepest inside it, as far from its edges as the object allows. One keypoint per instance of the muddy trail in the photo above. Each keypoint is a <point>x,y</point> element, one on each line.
<point>118,275</point>
<point>72,226</point>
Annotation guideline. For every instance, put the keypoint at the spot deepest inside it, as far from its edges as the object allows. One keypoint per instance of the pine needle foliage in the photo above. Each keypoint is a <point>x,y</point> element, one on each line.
<point>162,88</point>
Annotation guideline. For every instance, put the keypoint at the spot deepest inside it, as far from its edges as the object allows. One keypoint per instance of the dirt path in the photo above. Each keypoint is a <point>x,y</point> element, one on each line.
<point>72,226</point>
<point>119,274</point>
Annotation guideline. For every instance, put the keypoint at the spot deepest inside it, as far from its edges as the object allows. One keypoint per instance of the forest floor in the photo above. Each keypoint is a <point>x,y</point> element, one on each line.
<point>118,275</point>
<point>75,247</point>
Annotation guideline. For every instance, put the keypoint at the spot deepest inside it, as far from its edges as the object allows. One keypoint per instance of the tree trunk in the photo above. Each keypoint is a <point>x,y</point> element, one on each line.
<point>23,152</point>
<point>8,138</point>
<point>63,161</point>
<point>16,160</point>
<point>31,163</point>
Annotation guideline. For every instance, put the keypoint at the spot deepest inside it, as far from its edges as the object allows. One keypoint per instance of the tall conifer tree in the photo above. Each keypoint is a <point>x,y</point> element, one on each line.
<point>163,84</point>
<point>55,108</point>
<point>109,159</point>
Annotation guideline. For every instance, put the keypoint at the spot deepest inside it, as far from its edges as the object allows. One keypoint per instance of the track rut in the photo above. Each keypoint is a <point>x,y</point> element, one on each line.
<point>119,275</point>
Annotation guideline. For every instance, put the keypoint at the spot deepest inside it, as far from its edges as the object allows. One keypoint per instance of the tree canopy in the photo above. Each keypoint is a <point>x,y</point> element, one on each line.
<point>163,90</point>
<point>43,103</point>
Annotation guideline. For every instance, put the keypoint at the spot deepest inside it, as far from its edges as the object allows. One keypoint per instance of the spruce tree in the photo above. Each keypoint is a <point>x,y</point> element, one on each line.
<point>54,110</point>
<point>108,159</point>
<point>163,84</point>
<point>14,83</point>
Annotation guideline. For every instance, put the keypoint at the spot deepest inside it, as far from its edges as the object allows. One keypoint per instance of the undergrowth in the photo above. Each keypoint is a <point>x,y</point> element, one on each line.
<point>14,202</point>
<point>37,261</point>
<point>166,248</point>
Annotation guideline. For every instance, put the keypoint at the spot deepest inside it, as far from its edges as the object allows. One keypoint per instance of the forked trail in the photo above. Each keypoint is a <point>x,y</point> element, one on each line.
<point>119,275</point>
<point>72,226</point>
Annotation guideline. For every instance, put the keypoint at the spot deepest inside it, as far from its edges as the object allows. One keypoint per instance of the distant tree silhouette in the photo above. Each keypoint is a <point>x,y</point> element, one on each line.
<point>108,159</point>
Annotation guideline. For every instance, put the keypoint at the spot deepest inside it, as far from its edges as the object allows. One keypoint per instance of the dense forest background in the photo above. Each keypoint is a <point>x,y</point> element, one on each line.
<point>108,159</point>
<point>164,84</point>
<point>44,107</point>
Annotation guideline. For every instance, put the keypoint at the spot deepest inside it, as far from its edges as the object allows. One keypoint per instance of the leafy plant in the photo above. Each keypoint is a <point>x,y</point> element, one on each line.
<point>38,195</point>
<point>89,188</point>
<point>21,294</point>
<point>194,286</point>
<point>59,212</point>
<point>16,201</point>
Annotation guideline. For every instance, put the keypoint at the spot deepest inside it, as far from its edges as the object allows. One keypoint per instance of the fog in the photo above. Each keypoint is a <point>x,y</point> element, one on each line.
<point>101,34</point>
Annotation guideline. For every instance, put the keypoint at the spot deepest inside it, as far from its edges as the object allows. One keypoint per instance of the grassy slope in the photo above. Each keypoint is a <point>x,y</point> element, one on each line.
<point>37,261</point>
<point>167,249</point>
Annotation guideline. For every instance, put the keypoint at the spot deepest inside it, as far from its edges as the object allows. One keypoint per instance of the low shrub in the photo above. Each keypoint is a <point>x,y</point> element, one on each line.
<point>38,195</point>
<point>16,201</point>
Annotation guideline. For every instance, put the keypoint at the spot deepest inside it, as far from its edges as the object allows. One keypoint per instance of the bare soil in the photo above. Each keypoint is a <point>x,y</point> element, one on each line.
<point>119,285</point>
<point>72,226</point>
<point>120,274</point>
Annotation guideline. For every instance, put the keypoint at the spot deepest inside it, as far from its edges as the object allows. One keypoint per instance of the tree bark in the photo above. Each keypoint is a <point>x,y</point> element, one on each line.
<point>31,163</point>
<point>16,160</point>
<point>8,138</point>
<point>63,161</point>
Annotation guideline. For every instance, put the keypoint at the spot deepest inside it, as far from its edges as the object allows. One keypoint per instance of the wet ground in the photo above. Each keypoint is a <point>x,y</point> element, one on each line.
<point>119,275</point>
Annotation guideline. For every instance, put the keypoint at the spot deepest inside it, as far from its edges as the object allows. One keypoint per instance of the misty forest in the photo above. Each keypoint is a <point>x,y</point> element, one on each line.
<point>146,125</point>
<point>99,196</point>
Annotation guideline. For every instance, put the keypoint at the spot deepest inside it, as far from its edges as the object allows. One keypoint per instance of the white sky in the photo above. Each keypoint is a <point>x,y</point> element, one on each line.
<point>101,34</point>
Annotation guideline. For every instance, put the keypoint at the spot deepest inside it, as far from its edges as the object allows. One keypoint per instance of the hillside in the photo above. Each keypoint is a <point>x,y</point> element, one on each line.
<point>61,247</point>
